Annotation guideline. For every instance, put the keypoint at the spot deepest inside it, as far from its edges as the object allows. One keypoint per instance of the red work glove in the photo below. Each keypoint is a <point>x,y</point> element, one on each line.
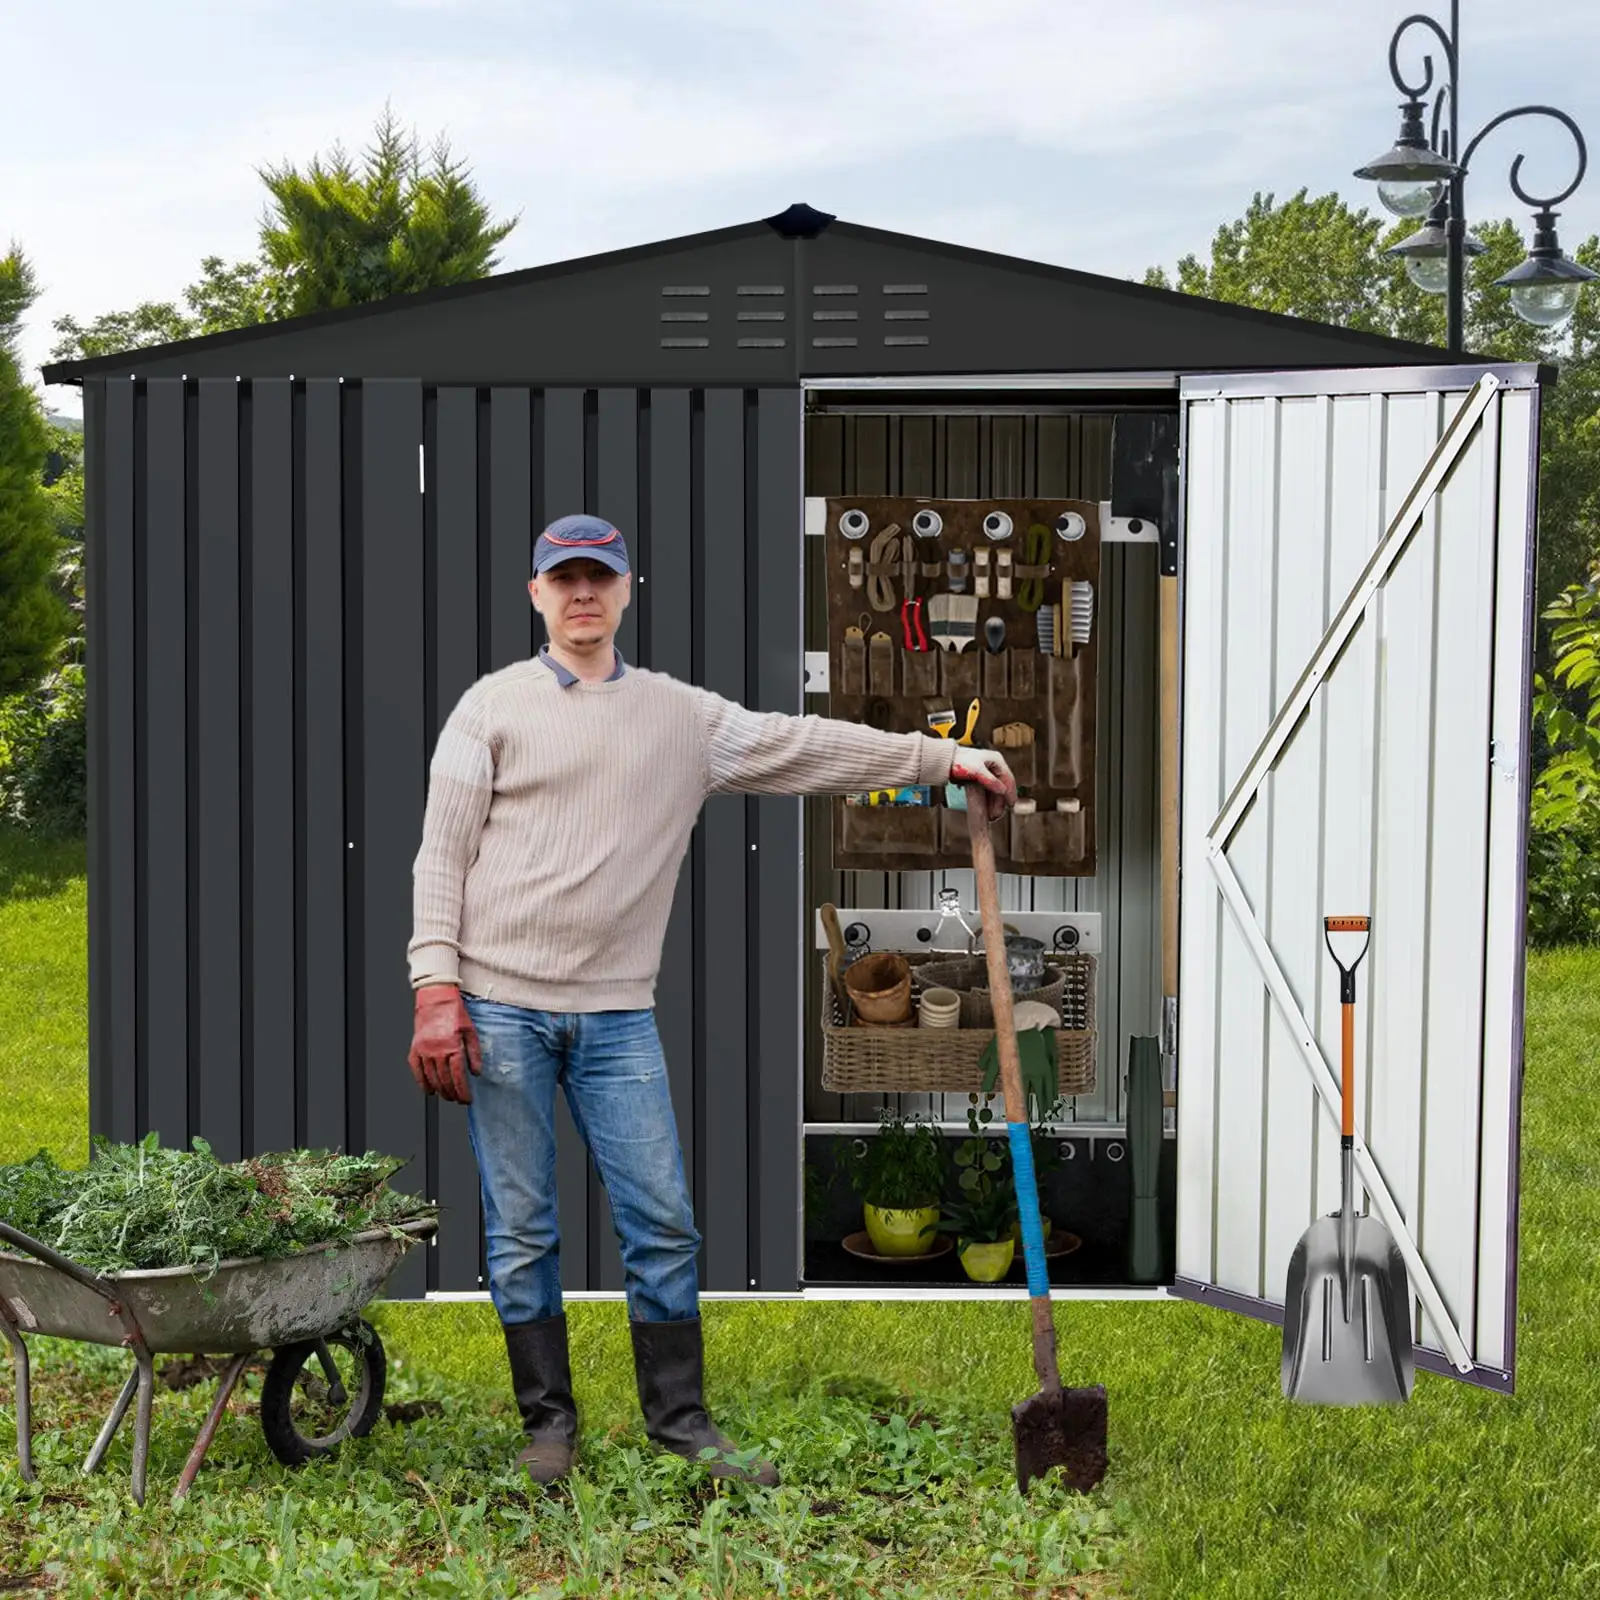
<point>443,1043</point>
<point>987,767</point>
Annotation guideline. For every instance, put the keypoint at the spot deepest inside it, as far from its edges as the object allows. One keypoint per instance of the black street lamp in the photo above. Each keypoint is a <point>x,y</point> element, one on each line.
<point>1421,176</point>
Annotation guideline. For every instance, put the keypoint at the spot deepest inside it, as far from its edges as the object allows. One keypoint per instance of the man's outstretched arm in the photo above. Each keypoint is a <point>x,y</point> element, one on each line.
<point>771,752</point>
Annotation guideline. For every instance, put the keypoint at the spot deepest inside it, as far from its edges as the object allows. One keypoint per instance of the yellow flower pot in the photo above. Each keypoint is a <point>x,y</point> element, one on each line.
<point>899,1233</point>
<point>988,1262</point>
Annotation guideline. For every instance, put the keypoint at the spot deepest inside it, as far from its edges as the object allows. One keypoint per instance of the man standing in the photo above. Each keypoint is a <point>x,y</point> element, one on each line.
<point>562,795</point>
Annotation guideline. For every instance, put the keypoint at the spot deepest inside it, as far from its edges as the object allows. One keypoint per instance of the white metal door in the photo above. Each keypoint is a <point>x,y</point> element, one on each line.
<point>1357,570</point>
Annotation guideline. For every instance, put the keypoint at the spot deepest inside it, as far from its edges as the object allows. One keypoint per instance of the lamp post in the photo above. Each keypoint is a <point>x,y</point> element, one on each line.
<point>1421,175</point>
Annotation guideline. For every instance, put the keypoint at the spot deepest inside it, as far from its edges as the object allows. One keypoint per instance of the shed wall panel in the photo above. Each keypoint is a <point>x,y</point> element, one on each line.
<point>773,1074</point>
<point>452,477</point>
<point>728,833</point>
<point>217,1092</point>
<point>164,759</point>
<point>378,569</point>
<point>268,604</point>
<point>321,956</point>
<point>668,598</point>
<point>394,761</point>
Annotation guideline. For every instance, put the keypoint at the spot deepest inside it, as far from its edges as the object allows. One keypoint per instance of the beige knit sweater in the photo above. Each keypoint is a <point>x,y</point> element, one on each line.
<point>558,817</point>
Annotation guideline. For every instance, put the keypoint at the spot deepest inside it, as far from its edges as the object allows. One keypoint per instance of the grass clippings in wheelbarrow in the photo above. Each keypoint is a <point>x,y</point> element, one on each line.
<point>139,1206</point>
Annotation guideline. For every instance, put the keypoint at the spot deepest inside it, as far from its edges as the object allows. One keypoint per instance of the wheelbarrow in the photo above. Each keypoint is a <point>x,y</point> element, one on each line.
<point>297,1306</point>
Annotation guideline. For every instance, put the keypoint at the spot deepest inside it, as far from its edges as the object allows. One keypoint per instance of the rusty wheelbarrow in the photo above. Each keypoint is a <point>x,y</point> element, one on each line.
<point>301,1307</point>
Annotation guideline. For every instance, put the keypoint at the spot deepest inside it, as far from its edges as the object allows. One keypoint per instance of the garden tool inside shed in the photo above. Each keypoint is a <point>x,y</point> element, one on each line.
<point>1347,1303</point>
<point>1056,1427</point>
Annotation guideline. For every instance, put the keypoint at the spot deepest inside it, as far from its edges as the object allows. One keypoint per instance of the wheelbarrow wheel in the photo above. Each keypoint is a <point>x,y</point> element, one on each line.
<point>319,1392</point>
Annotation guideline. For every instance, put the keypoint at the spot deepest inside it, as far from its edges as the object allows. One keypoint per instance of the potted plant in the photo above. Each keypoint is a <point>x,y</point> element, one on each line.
<point>979,1155</point>
<point>981,1217</point>
<point>982,1225</point>
<point>900,1177</point>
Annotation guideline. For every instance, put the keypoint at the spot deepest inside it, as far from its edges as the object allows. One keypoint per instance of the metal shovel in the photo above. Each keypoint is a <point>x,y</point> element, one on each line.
<point>1057,1427</point>
<point>1347,1304</point>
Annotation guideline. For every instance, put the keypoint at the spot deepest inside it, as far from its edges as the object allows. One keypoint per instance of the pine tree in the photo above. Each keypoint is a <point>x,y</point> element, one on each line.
<point>33,619</point>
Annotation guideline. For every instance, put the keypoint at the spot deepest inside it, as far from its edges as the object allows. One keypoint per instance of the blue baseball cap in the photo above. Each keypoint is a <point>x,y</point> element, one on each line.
<point>567,538</point>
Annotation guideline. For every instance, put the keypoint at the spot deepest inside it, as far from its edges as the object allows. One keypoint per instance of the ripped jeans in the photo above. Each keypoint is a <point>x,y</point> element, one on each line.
<point>611,1066</point>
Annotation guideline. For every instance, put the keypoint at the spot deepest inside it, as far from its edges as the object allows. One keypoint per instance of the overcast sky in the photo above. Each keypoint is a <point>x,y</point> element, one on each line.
<point>1101,137</point>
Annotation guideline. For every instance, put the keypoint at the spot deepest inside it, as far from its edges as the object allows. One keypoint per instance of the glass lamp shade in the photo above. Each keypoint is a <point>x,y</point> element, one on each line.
<point>1431,274</point>
<point>1545,305</point>
<point>1406,197</point>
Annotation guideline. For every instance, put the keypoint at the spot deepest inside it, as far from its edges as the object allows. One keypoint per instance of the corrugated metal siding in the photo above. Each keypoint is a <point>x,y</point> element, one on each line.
<point>1383,803</point>
<point>279,621</point>
<point>1009,454</point>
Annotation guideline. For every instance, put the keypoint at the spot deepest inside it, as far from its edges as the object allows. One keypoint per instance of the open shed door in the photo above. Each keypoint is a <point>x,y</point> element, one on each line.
<point>1357,569</point>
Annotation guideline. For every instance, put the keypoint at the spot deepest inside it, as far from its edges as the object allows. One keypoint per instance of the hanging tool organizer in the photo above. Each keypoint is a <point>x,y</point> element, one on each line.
<point>976,621</point>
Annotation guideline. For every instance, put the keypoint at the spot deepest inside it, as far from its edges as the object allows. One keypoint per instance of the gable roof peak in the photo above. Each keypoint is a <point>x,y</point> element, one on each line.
<point>800,221</point>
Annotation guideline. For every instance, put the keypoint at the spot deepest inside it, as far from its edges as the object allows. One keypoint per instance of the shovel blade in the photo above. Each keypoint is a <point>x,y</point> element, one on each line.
<point>1367,1360</point>
<point>1063,1428</point>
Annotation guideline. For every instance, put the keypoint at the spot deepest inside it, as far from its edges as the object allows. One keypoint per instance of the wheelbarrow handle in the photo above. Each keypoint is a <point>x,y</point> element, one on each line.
<point>51,1258</point>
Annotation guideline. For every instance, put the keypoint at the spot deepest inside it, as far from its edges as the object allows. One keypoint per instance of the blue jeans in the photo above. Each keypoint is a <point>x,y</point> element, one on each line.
<point>611,1065</point>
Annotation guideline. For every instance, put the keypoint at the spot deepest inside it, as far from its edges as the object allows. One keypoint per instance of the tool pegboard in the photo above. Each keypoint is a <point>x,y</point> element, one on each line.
<point>978,621</point>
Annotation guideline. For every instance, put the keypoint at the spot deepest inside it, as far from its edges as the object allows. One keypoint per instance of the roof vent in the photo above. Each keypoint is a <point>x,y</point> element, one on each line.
<point>800,221</point>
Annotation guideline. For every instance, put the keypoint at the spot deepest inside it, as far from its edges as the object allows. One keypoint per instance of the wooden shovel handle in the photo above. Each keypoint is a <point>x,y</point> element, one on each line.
<point>1005,1030</point>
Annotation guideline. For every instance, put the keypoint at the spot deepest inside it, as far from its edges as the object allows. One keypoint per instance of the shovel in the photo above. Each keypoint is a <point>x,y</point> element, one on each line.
<point>1057,1427</point>
<point>1347,1304</point>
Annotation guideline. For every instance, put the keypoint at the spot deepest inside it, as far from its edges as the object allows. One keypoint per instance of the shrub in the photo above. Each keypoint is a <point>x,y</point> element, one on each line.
<point>1564,838</point>
<point>44,778</point>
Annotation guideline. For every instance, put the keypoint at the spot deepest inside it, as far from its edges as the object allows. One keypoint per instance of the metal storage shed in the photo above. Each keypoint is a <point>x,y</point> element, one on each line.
<point>306,540</point>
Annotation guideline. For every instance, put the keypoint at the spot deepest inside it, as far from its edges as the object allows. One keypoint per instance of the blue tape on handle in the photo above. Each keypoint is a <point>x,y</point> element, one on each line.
<point>1027,1185</point>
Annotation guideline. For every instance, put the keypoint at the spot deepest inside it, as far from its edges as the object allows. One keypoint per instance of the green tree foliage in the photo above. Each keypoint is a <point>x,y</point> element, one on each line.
<point>335,236</point>
<point>342,237</point>
<point>33,618</point>
<point>1319,259</point>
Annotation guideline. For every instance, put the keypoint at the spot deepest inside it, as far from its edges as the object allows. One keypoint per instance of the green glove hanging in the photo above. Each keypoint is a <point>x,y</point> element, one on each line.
<point>1036,1055</point>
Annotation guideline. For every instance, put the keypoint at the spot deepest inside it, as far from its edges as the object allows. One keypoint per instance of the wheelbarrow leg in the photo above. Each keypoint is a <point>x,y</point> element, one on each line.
<point>203,1439</point>
<point>142,1380</point>
<point>19,1357</point>
<point>112,1423</point>
<point>141,1423</point>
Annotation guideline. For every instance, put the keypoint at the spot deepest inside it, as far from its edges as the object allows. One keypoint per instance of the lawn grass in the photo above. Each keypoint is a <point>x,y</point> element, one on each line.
<point>889,1422</point>
<point>44,998</point>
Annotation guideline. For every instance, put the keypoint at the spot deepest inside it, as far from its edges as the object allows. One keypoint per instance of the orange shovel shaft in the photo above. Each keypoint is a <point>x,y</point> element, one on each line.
<point>1347,1125</point>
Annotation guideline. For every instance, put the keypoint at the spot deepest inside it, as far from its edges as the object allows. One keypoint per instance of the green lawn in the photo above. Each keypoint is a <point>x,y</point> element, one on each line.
<point>890,1423</point>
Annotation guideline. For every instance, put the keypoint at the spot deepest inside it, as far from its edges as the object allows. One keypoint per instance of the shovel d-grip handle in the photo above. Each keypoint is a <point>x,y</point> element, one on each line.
<point>1347,1002</point>
<point>1023,1175</point>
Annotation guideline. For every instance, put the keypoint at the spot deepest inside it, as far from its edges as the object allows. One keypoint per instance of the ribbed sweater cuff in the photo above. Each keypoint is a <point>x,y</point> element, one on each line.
<point>434,963</point>
<point>938,756</point>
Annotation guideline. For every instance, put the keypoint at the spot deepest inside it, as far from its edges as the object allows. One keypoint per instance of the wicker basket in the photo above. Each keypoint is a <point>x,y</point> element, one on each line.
<point>857,1060</point>
<point>969,977</point>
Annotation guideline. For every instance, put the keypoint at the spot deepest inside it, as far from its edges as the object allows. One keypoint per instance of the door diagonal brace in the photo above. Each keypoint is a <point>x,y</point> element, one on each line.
<point>1323,1080</point>
<point>1327,1085</point>
<point>1390,548</point>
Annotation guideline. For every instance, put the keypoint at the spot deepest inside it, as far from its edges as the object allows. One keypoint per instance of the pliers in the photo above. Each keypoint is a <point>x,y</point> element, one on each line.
<point>911,613</point>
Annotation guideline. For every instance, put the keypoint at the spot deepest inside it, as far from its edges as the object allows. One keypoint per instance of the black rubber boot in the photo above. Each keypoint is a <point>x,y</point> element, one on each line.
<point>669,1363</point>
<point>541,1379</point>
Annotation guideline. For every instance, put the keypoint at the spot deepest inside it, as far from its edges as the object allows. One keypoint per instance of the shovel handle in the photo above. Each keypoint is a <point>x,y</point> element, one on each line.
<point>1005,1032</point>
<point>1347,1001</point>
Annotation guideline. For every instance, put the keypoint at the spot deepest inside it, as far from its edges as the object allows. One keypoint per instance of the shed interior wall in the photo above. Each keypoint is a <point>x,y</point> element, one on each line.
<point>1046,447</point>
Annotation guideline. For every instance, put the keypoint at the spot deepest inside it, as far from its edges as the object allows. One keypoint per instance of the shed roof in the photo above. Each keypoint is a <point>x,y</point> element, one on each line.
<point>797,295</point>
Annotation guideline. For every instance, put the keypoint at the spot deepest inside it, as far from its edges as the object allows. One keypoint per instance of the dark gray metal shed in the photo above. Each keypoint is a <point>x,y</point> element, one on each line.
<point>306,540</point>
